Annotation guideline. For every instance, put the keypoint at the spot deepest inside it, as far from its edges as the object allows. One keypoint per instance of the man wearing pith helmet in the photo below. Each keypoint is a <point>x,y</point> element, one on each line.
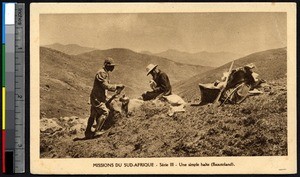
<point>99,111</point>
<point>161,87</point>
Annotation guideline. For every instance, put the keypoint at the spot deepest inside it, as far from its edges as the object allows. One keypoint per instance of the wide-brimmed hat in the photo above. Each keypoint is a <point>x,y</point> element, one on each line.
<point>150,68</point>
<point>109,62</point>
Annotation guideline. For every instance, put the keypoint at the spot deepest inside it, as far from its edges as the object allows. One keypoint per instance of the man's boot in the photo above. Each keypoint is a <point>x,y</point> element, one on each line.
<point>100,122</point>
<point>88,132</point>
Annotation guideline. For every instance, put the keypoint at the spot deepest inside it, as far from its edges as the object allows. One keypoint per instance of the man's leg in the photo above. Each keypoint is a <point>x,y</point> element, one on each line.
<point>150,95</point>
<point>104,114</point>
<point>88,132</point>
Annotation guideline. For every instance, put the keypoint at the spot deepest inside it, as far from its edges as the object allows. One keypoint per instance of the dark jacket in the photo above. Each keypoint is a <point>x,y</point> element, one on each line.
<point>101,85</point>
<point>163,83</point>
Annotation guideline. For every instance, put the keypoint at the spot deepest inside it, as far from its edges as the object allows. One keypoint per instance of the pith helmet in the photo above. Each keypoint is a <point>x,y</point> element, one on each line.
<point>150,68</point>
<point>109,62</point>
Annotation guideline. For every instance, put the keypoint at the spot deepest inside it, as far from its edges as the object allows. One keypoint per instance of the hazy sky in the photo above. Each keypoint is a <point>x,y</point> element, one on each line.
<point>241,33</point>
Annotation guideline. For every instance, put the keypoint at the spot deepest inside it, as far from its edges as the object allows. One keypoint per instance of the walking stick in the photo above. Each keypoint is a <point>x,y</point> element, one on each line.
<point>215,103</point>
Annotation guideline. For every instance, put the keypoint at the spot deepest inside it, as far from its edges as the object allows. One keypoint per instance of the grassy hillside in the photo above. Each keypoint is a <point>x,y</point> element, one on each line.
<point>257,127</point>
<point>65,84</point>
<point>270,65</point>
<point>66,81</point>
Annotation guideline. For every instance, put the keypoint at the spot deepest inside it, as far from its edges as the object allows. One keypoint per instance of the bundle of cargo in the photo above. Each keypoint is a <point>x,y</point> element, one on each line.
<point>234,88</point>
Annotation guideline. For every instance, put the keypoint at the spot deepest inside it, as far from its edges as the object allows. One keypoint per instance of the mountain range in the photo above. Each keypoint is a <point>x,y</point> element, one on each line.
<point>70,49</point>
<point>203,58</point>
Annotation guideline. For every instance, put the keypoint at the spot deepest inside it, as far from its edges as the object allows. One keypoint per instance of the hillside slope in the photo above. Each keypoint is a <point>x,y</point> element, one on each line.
<point>270,65</point>
<point>66,81</point>
<point>65,84</point>
<point>257,127</point>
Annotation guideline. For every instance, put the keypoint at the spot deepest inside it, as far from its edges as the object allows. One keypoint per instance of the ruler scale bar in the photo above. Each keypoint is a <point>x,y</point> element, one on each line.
<point>19,157</point>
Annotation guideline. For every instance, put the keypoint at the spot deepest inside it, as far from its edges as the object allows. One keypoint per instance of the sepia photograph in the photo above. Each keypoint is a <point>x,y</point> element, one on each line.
<point>123,88</point>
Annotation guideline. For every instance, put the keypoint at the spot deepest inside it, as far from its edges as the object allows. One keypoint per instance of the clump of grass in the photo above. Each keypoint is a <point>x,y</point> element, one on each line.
<point>151,108</point>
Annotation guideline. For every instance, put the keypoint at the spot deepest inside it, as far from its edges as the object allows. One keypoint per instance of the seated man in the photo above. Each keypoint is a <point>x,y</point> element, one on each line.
<point>161,87</point>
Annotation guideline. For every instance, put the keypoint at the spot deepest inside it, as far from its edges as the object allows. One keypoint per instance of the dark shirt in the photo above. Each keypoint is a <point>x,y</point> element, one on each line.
<point>101,85</point>
<point>163,83</point>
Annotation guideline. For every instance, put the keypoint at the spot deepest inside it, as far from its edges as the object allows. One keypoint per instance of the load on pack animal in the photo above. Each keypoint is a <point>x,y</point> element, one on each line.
<point>234,88</point>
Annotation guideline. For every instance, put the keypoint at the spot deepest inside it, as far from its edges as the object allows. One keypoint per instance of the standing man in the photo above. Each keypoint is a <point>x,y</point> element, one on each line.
<point>99,111</point>
<point>161,85</point>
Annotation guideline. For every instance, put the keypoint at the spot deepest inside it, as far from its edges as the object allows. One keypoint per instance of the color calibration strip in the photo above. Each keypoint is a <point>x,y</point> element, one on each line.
<point>13,88</point>
<point>3,90</point>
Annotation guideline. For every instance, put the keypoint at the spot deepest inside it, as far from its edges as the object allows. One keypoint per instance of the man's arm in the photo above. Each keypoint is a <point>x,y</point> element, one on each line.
<point>102,77</point>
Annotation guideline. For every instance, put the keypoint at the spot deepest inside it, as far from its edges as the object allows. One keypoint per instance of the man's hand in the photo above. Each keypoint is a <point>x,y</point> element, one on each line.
<point>119,88</point>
